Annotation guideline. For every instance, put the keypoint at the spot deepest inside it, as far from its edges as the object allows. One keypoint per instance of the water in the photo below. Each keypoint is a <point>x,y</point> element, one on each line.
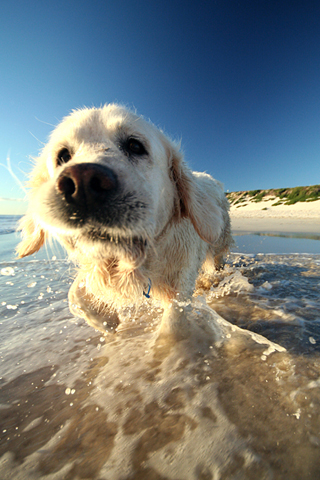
<point>236,396</point>
<point>278,243</point>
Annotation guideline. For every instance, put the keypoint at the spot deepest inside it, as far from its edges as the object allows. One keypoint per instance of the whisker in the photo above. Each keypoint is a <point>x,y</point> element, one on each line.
<point>14,176</point>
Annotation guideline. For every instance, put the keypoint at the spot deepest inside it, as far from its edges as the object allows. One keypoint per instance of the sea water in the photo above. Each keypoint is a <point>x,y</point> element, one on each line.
<point>234,395</point>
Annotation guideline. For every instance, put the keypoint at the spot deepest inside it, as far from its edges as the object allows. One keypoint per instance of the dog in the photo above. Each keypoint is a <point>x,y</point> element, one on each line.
<point>135,220</point>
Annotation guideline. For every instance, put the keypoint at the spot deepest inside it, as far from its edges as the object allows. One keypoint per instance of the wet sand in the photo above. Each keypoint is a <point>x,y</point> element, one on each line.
<point>275,225</point>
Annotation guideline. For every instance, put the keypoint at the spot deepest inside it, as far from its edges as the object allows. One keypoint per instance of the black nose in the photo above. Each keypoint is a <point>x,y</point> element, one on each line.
<point>86,184</point>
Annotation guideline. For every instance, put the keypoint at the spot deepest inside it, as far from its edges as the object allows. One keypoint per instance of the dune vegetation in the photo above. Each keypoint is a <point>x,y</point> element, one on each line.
<point>281,196</point>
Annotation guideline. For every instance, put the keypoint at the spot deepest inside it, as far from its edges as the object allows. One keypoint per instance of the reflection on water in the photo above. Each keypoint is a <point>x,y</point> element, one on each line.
<point>276,243</point>
<point>307,236</point>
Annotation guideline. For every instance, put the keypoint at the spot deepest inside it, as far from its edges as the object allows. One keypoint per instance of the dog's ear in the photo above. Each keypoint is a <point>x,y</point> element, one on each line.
<point>33,237</point>
<point>198,199</point>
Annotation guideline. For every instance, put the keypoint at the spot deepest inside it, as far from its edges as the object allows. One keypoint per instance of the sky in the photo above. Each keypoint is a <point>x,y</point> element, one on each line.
<point>238,82</point>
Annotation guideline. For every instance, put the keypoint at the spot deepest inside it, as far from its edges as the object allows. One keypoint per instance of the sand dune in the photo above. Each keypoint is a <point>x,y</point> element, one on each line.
<point>302,217</point>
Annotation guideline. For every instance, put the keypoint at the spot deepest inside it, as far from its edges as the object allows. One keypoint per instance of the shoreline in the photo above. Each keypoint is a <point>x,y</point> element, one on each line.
<point>299,226</point>
<point>262,217</point>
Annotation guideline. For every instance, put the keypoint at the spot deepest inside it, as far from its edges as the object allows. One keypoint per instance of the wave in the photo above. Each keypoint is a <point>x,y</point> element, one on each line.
<point>9,223</point>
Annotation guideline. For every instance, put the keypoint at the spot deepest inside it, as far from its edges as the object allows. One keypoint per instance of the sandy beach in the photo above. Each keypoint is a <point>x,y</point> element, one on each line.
<point>301,218</point>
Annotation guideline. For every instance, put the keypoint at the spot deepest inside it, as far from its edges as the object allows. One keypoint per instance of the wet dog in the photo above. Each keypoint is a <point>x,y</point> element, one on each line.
<point>117,194</point>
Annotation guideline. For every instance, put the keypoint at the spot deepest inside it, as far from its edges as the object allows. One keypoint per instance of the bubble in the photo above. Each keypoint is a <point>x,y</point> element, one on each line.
<point>12,307</point>
<point>297,414</point>
<point>31,285</point>
<point>7,271</point>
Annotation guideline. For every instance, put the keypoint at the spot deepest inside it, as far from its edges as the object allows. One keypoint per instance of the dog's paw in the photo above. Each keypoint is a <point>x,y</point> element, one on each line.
<point>107,322</point>
<point>97,316</point>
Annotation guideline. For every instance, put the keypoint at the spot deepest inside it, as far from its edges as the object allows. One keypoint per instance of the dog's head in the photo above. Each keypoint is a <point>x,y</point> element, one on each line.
<point>107,184</point>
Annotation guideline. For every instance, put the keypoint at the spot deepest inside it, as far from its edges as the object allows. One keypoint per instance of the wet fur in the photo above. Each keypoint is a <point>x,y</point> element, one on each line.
<point>175,221</point>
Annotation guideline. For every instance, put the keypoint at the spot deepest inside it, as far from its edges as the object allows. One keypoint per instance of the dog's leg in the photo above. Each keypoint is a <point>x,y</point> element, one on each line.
<point>175,322</point>
<point>219,261</point>
<point>82,305</point>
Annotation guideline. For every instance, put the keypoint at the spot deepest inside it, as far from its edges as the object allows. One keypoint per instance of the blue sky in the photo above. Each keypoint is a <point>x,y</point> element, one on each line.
<point>237,81</point>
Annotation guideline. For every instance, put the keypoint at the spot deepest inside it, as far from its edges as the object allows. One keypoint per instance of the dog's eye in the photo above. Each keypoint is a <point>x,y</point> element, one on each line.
<point>63,156</point>
<point>136,147</point>
<point>132,146</point>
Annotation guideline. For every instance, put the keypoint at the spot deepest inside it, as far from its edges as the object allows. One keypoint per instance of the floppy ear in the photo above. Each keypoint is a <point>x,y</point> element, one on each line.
<point>199,199</point>
<point>33,237</point>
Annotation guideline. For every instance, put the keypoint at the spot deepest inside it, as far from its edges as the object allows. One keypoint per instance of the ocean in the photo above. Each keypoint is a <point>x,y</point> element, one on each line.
<point>237,398</point>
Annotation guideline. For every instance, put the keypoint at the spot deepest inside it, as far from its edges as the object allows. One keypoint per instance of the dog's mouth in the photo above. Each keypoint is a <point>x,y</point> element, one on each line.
<point>115,239</point>
<point>132,246</point>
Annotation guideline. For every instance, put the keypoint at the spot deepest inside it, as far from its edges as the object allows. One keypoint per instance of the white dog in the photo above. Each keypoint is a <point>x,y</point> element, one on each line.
<point>116,193</point>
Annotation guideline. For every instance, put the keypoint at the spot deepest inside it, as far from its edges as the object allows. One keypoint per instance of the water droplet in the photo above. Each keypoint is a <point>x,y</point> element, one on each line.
<point>7,271</point>
<point>12,307</point>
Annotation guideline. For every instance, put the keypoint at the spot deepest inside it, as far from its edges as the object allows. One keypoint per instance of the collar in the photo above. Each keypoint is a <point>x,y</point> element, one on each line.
<point>149,288</point>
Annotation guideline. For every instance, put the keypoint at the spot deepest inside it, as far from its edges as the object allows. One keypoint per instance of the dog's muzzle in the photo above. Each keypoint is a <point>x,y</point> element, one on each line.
<point>86,185</point>
<point>89,197</point>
